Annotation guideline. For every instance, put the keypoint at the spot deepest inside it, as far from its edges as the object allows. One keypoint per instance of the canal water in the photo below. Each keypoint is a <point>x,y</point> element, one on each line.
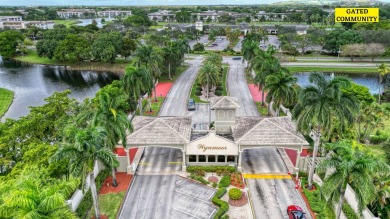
<point>32,83</point>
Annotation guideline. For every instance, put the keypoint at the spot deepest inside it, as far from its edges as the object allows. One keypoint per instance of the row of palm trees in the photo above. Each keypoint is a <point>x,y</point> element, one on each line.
<point>93,135</point>
<point>210,74</point>
<point>318,109</point>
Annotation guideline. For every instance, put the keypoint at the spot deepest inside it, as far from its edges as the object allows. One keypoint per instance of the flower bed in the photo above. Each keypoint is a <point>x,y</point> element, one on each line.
<point>240,202</point>
<point>236,180</point>
<point>213,179</point>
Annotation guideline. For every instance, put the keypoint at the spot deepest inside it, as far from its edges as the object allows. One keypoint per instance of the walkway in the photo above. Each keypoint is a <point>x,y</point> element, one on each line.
<point>256,93</point>
<point>162,89</point>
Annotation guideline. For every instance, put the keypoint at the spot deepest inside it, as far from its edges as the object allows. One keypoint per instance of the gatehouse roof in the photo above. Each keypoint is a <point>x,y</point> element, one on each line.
<point>224,102</point>
<point>267,131</point>
<point>160,130</point>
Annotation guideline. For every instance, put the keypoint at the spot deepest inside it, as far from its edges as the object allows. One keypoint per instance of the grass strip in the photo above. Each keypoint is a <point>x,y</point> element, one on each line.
<point>6,98</point>
<point>299,69</point>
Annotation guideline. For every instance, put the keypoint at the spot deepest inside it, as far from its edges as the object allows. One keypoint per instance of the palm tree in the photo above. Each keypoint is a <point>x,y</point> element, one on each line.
<point>350,165</point>
<point>84,148</point>
<point>137,82</point>
<point>248,49</point>
<point>152,59</point>
<point>319,105</point>
<point>31,196</point>
<point>171,54</point>
<point>208,75</point>
<point>383,70</point>
<point>281,89</point>
<point>115,122</point>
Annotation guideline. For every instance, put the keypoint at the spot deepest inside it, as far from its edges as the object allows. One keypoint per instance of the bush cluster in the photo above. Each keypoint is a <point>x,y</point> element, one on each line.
<point>223,206</point>
<point>235,194</point>
<point>349,212</point>
<point>86,203</point>
<point>379,137</point>
<point>227,169</point>
<point>225,181</point>
<point>319,205</point>
<point>218,93</point>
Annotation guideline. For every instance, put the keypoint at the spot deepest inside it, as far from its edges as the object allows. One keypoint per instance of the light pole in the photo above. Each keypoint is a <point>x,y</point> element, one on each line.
<point>316,135</point>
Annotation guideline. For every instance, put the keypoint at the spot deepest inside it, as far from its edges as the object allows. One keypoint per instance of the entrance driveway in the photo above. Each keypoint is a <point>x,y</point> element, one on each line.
<point>168,197</point>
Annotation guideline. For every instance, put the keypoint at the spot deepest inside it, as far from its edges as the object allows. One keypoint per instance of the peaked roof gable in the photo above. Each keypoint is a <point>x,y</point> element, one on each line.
<point>225,102</point>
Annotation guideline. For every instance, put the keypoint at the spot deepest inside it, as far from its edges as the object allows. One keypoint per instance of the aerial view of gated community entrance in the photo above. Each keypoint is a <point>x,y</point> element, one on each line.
<point>272,109</point>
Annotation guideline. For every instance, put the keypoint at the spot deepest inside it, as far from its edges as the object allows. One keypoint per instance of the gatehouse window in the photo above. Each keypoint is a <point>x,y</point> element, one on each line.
<point>231,158</point>
<point>211,158</point>
<point>192,158</point>
<point>201,158</point>
<point>221,158</point>
<point>221,114</point>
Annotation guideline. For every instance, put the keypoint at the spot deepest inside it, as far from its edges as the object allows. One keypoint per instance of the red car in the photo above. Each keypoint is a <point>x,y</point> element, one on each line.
<point>295,212</point>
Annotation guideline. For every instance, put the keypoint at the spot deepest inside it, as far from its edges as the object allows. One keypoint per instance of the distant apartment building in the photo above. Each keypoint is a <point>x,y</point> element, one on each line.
<point>113,13</point>
<point>40,24</point>
<point>236,15</point>
<point>75,13</point>
<point>203,16</point>
<point>162,16</point>
<point>10,18</point>
<point>269,16</point>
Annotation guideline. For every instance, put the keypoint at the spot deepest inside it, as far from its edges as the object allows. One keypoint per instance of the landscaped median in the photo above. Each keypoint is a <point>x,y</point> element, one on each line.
<point>6,98</point>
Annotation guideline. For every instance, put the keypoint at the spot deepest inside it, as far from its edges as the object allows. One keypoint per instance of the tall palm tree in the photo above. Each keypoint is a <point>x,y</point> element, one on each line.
<point>208,76</point>
<point>383,70</point>
<point>248,49</point>
<point>351,166</point>
<point>319,105</point>
<point>31,196</point>
<point>152,59</point>
<point>137,82</point>
<point>281,89</point>
<point>84,148</point>
<point>171,54</point>
<point>114,121</point>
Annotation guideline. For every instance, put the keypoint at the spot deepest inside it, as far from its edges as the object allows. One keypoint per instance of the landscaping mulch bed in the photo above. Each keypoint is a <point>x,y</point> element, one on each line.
<point>102,216</point>
<point>240,202</point>
<point>123,180</point>
<point>236,180</point>
<point>213,179</point>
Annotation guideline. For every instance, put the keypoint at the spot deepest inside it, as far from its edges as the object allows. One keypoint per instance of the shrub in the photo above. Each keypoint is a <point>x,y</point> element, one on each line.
<point>86,203</point>
<point>199,178</point>
<point>214,185</point>
<point>348,211</point>
<point>219,88</point>
<point>198,93</point>
<point>192,169</point>
<point>225,181</point>
<point>379,137</point>
<point>197,88</point>
<point>235,194</point>
<point>218,93</point>
<point>223,206</point>
<point>200,172</point>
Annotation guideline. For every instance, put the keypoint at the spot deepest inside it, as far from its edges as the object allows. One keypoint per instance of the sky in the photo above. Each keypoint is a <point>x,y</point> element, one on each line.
<point>134,2</point>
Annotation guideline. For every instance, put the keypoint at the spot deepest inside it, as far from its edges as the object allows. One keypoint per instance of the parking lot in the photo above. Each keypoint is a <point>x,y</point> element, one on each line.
<point>220,44</point>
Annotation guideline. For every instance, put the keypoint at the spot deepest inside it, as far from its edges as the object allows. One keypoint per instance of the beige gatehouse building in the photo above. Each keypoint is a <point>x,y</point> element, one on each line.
<point>223,143</point>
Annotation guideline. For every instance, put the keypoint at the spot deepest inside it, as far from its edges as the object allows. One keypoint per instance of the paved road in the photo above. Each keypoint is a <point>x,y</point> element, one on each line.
<point>238,87</point>
<point>269,197</point>
<point>222,44</point>
<point>238,45</point>
<point>167,197</point>
<point>156,192</point>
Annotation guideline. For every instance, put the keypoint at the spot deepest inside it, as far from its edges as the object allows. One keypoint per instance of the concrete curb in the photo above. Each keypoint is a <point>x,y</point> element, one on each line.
<point>249,197</point>
<point>286,160</point>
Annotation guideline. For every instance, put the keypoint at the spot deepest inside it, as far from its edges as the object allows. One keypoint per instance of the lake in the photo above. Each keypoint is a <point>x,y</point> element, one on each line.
<point>32,83</point>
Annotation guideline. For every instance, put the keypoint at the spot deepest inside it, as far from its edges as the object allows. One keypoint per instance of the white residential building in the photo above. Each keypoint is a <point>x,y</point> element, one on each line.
<point>113,13</point>
<point>70,13</point>
<point>162,15</point>
<point>213,15</point>
<point>10,18</point>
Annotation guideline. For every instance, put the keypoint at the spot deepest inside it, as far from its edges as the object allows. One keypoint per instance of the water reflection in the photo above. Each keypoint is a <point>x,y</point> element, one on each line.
<point>369,80</point>
<point>32,83</point>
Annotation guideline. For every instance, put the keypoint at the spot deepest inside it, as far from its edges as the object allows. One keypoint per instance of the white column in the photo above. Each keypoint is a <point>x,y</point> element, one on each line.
<point>184,164</point>
<point>239,168</point>
<point>296,169</point>
<point>129,170</point>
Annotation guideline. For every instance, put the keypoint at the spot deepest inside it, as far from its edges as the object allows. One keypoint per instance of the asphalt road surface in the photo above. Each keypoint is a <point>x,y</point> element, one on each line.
<point>203,39</point>
<point>269,197</point>
<point>167,197</point>
<point>156,192</point>
<point>222,44</point>
<point>238,45</point>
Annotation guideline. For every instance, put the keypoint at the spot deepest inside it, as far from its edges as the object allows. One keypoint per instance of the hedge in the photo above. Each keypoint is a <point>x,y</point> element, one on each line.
<point>319,205</point>
<point>86,204</point>
<point>218,93</point>
<point>199,178</point>
<point>198,93</point>
<point>223,206</point>
<point>193,169</point>
<point>224,182</point>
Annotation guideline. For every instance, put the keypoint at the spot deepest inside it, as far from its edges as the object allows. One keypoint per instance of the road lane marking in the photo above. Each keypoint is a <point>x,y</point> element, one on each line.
<point>175,162</point>
<point>266,176</point>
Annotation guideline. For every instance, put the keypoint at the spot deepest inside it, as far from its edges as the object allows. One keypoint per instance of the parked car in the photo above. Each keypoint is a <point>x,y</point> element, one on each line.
<point>236,58</point>
<point>215,44</point>
<point>191,104</point>
<point>295,212</point>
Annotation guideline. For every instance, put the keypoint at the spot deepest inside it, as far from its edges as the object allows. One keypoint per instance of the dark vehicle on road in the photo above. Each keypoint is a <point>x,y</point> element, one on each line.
<point>236,58</point>
<point>295,212</point>
<point>215,44</point>
<point>191,104</point>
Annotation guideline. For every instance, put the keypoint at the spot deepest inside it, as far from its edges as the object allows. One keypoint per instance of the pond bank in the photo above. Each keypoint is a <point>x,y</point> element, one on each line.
<point>6,99</point>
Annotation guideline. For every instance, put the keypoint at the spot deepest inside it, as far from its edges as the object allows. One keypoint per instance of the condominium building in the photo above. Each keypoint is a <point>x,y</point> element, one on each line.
<point>10,18</point>
<point>162,16</point>
<point>113,13</point>
<point>213,15</point>
<point>72,13</point>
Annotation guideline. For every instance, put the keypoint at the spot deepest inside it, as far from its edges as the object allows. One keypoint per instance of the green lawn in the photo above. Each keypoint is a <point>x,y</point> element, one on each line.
<point>67,23</point>
<point>263,110</point>
<point>179,71</point>
<point>109,204</point>
<point>156,106</point>
<point>6,98</point>
<point>32,57</point>
<point>297,69</point>
<point>387,122</point>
